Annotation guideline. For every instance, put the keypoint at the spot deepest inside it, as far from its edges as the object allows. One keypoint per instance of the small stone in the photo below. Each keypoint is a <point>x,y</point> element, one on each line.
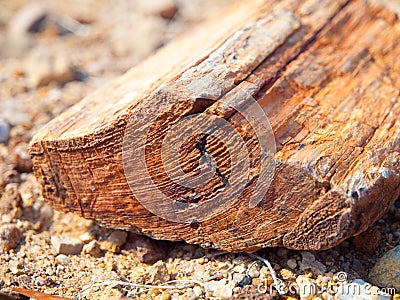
<point>15,271</point>
<point>368,241</point>
<point>86,237</point>
<point>253,272</point>
<point>264,272</point>
<point>145,249</point>
<point>223,292</point>
<point>307,288</point>
<point>40,281</point>
<point>93,249</point>
<point>25,279</point>
<point>309,263</point>
<point>62,259</point>
<point>219,289</point>
<point>386,272</point>
<point>165,296</point>
<point>4,132</point>
<point>287,274</point>
<point>10,237</point>
<point>239,268</point>
<point>241,280</point>
<point>66,245</point>
<point>292,263</point>
<point>118,237</point>
<point>282,252</point>
<point>197,291</point>
<point>20,158</point>
<point>158,273</point>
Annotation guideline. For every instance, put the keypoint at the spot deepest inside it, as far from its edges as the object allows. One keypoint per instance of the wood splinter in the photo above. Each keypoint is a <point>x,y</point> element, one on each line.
<point>327,75</point>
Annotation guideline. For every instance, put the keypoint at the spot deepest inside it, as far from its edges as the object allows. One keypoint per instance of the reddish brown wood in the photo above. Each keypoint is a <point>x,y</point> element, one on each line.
<point>327,75</point>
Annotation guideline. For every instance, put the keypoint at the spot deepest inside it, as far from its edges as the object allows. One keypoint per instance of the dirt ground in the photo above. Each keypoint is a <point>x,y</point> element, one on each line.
<point>52,54</point>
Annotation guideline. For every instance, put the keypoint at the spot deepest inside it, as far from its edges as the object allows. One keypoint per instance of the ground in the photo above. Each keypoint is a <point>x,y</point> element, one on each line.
<point>52,54</point>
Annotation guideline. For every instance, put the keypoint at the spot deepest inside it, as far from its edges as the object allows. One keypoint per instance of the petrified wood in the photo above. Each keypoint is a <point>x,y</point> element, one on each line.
<point>327,75</point>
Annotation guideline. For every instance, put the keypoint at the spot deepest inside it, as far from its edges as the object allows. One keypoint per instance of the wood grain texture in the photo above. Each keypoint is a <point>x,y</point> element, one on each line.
<point>327,75</point>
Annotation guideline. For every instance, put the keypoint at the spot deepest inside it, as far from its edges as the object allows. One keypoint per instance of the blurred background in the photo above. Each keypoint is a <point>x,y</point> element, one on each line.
<point>54,53</point>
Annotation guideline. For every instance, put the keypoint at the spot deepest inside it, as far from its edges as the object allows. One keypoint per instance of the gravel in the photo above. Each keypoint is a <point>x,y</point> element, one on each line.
<point>46,69</point>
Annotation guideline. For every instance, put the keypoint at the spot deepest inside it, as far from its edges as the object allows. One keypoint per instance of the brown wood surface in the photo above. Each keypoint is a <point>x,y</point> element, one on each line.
<point>326,73</point>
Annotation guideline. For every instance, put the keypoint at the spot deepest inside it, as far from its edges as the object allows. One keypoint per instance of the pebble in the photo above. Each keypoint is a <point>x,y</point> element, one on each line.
<point>282,252</point>
<point>10,237</point>
<point>292,263</point>
<point>253,272</point>
<point>309,262</point>
<point>241,280</point>
<point>360,290</point>
<point>118,237</point>
<point>219,289</point>
<point>368,241</point>
<point>4,132</point>
<point>40,281</point>
<point>66,245</point>
<point>62,259</point>
<point>264,272</point>
<point>25,279</point>
<point>145,249</point>
<point>197,291</point>
<point>287,274</point>
<point>158,273</point>
<point>93,249</point>
<point>20,158</point>
<point>306,287</point>
<point>86,237</point>
<point>386,272</point>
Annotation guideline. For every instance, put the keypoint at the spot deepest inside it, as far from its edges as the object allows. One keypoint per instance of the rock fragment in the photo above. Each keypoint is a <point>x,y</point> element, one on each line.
<point>10,237</point>
<point>93,249</point>
<point>114,241</point>
<point>62,259</point>
<point>145,249</point>
<point>158,273</point>
<point>292,263</point>
<point>66,245</point>
<point>386,272</point>
<point>118,237</point>
<point>219,289</point>
<point>309,262</point>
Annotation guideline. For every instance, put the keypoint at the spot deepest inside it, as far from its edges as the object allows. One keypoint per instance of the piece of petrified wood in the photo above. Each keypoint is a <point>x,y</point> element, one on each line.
<point>327,75</point>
